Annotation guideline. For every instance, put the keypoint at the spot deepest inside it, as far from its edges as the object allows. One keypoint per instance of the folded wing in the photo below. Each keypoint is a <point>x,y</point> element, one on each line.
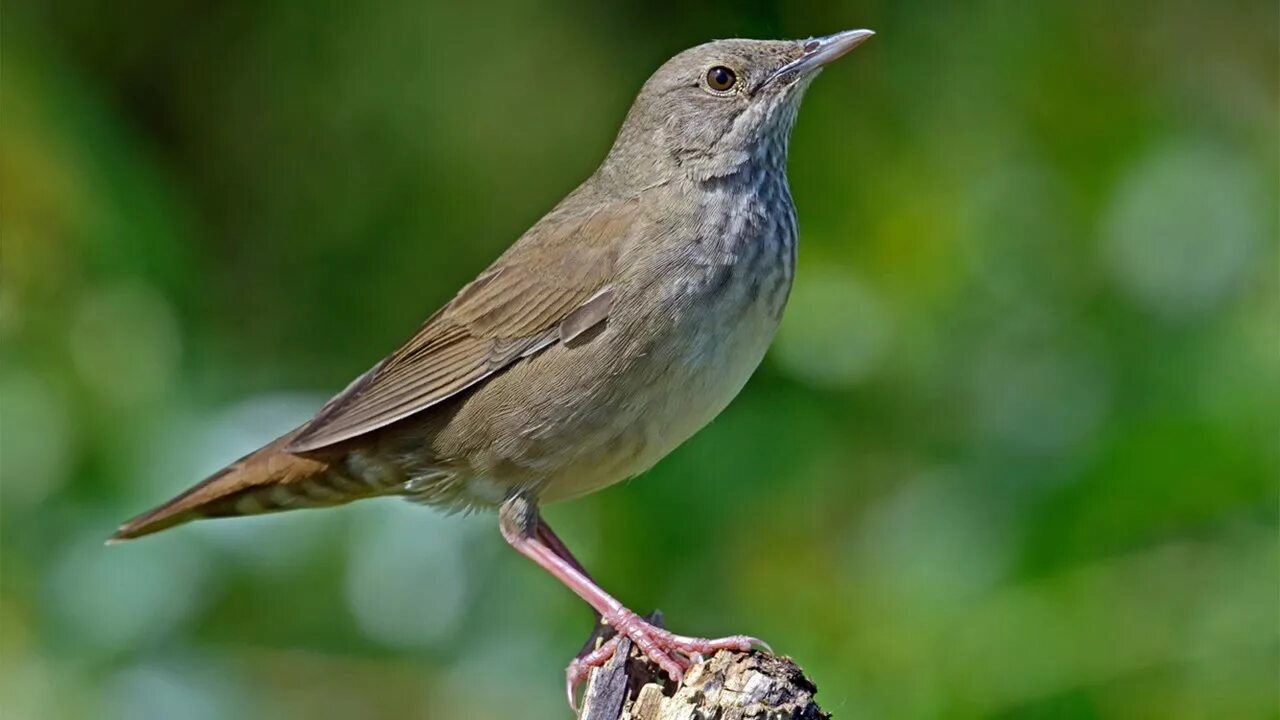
<point>551,286</point>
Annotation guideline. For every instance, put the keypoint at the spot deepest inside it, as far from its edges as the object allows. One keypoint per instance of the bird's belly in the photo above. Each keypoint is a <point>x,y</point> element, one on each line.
<point>575,420</point>
<point>688,326</point>
<point>694,371</point>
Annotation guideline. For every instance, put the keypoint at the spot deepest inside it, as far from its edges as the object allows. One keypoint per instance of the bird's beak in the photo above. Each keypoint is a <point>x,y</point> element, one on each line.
<point>819,52</point>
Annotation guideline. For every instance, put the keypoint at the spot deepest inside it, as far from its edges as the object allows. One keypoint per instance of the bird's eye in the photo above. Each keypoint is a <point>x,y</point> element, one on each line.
<point>721,79</point>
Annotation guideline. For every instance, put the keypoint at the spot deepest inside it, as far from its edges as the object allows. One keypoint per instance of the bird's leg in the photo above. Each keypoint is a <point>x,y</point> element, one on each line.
<point>520,523</point>
<point>556,545</point>
<point>603,638</point>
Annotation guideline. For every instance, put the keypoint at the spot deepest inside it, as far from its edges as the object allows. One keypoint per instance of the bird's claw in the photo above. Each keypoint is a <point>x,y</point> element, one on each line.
<point>674,654</point>
<point>580,668</point>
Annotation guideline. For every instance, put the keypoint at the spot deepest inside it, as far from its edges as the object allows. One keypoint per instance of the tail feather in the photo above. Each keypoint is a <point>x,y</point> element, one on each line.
<point>266,480</point>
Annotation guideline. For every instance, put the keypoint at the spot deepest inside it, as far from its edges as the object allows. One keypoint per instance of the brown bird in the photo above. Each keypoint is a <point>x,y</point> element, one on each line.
<point>614,329</point>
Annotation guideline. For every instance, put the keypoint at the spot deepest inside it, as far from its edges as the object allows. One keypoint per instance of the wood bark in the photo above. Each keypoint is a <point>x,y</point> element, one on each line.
<point>725,686</point>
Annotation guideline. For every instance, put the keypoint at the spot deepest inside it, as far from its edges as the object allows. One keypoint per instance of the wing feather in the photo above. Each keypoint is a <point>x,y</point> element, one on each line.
<point>558,272</point>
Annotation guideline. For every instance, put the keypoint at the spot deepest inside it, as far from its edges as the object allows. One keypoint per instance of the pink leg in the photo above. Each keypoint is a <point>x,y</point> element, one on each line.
<point>557,546</point>
<point>520,523</point>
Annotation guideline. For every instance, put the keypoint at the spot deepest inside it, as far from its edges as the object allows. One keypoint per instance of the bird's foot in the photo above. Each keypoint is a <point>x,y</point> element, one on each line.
<point>674,654</point>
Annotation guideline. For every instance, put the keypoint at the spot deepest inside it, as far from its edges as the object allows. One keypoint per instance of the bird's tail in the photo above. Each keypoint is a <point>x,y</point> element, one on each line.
<point>266,480</point>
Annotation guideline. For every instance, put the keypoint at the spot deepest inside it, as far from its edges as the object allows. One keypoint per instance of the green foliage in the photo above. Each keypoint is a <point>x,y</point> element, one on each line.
<point>1013,455</point>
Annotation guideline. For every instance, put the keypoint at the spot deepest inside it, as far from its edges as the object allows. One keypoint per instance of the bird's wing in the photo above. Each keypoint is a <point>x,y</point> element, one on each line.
<point>551,286</point>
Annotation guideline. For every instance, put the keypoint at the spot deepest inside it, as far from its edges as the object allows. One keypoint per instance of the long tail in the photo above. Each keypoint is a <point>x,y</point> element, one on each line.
<point>266,480</point>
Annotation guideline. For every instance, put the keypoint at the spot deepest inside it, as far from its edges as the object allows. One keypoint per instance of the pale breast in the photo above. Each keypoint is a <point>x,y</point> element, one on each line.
<point>720,317</point>
<point>686,335</point>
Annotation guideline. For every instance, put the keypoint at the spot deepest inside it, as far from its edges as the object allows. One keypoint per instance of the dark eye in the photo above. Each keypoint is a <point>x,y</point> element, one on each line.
<point>721,78</point>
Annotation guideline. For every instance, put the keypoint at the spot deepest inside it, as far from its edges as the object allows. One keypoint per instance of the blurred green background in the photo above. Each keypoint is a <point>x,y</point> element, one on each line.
<point>1013,455</point>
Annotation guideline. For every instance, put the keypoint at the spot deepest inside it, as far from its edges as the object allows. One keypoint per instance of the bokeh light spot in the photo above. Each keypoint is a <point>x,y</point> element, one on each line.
<point>119,597</point>
<point>407,580</point>
<point>1184,229</point>
<point>836,331</point>
<point>38,440</point>
<point>125,342</point>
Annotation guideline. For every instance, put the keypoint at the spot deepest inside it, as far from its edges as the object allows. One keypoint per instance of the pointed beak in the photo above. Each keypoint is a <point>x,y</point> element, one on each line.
<point>819,52</point>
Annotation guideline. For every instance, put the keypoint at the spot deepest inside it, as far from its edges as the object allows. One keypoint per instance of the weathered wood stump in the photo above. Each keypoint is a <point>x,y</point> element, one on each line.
<point>725,686</point>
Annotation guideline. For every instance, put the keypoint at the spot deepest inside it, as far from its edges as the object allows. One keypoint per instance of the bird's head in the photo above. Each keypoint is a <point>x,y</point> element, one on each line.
<point>716,107</point>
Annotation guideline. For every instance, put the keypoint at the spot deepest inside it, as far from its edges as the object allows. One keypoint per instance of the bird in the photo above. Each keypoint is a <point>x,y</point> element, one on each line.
<point>615,328</point>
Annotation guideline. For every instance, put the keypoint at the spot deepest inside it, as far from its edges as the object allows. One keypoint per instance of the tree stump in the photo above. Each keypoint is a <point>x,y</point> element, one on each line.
<point>726,686</point>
